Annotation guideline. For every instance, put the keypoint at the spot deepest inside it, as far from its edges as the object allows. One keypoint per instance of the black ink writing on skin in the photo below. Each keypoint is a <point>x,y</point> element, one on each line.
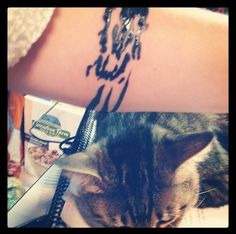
<point>127,34</point>
<point>122,94</point>
<point>124,33</point>
<point>121,80</point>
<point>101,71</point>
<point>96,99</point>
<point>103,32</point>
<point>106,103</point>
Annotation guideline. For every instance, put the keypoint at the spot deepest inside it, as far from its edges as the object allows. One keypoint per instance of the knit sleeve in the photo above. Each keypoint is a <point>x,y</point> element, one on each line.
<point>25,26</point>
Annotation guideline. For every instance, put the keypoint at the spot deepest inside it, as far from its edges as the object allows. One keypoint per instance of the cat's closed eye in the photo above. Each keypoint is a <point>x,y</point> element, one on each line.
<point>183,207</point>
<point>137,175</point>
<point>163,223</point>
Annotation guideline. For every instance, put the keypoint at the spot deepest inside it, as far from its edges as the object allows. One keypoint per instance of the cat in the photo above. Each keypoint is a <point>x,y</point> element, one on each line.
<point>147,169</point>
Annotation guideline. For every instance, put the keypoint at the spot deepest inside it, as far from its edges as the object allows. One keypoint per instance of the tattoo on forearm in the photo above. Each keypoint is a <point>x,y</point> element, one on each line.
<point>125,47</point>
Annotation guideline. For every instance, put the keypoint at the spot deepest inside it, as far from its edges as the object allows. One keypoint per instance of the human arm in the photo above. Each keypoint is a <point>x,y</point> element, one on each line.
<point>183,64</point>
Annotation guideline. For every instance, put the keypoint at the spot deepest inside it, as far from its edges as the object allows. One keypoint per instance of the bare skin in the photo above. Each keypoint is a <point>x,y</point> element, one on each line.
<point>183,65</point>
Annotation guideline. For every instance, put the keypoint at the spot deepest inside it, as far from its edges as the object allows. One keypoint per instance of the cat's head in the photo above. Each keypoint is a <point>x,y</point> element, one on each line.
<point>144,180</point>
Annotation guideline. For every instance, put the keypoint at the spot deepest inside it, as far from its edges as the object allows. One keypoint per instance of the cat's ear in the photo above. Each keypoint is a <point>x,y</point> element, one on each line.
<point>186,146</point>
<point>82,162</point>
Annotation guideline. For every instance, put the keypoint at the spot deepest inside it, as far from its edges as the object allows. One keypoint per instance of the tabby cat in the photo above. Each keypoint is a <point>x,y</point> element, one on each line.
<point>147,169</point>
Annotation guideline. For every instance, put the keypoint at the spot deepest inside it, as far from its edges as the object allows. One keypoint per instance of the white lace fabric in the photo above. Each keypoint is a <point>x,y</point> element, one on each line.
<point>25,26</point>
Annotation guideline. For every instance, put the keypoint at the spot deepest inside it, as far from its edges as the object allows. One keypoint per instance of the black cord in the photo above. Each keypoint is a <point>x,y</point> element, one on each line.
<point>80,142</point>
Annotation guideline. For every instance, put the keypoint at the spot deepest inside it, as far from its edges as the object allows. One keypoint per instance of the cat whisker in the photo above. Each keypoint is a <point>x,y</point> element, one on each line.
<point>97,219</point>
<point>200,202</point>
<point>207,191</point>
<point>172,225</point>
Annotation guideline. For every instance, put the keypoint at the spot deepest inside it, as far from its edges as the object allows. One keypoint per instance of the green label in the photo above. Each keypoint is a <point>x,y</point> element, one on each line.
<point>50,129</point>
